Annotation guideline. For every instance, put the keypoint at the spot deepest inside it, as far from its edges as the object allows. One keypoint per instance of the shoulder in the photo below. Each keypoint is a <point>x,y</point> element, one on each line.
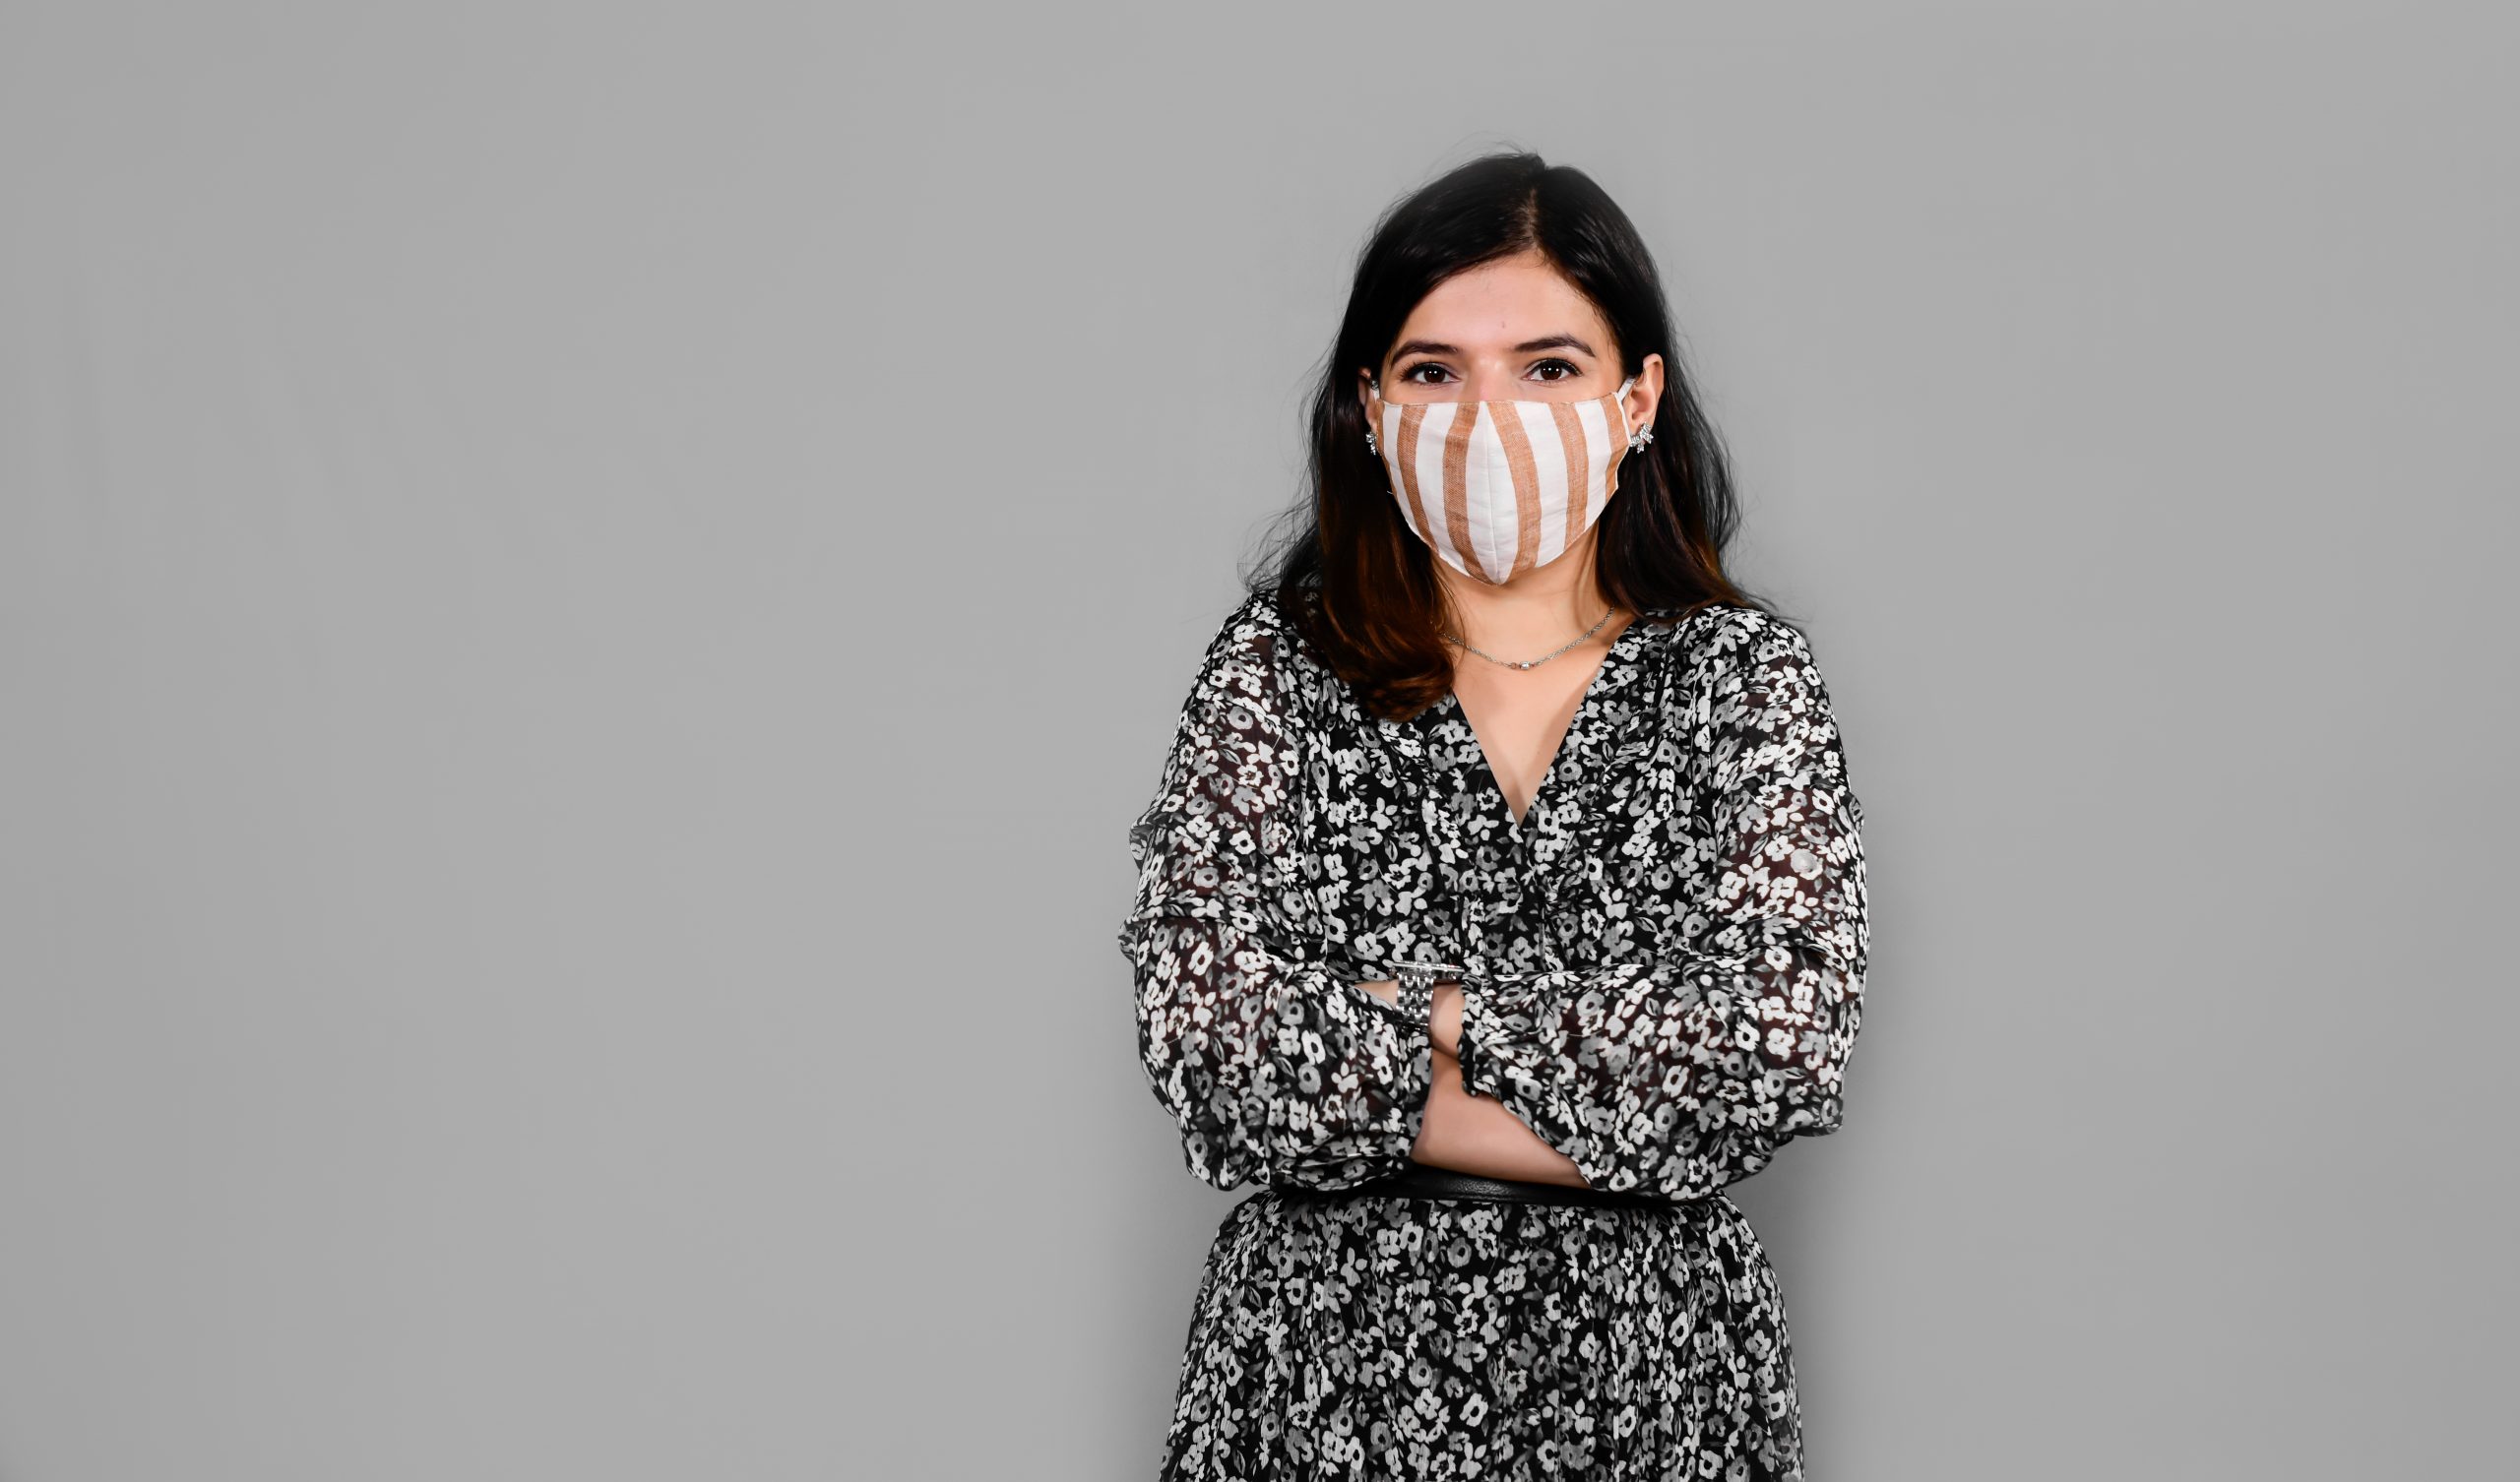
<point>1249,653</point>
<point>1722,639</point>
<point>1255,617</point>
<point>1254,631</point>
<point>1733,670</point>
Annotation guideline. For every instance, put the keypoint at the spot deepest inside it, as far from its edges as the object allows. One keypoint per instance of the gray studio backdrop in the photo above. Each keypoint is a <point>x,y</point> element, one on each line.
<point>590,590</point>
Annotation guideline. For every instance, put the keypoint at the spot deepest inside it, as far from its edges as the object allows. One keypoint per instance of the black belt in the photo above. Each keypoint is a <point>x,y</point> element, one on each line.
<point>1425,1181</point>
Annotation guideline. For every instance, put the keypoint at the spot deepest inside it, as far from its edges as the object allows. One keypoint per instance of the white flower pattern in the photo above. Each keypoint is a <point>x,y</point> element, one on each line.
<point>1665,962</point>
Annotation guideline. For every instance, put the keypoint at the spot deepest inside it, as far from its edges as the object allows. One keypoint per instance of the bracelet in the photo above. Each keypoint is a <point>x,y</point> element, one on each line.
<point>1418,982</point>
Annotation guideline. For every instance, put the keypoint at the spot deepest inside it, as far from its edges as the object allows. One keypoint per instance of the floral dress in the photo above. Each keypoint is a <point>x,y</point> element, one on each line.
<point>1664,970</point>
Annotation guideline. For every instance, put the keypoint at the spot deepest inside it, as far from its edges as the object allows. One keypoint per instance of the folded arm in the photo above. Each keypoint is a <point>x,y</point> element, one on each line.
<point>1276,1068</point>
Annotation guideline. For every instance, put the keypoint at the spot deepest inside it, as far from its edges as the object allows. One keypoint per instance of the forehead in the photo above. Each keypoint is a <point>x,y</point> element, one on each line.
<point>1503,303</point>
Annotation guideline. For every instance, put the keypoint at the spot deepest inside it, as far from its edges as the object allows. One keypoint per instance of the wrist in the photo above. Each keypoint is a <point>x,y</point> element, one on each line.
<point>1416,997</point>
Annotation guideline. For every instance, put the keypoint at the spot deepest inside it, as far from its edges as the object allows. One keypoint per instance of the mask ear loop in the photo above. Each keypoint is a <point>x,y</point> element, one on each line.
<point>1627,428</point>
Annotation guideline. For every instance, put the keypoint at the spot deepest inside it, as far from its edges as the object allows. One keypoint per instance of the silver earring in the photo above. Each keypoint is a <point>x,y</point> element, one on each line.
<point>1644,435</point>
<point>1369,443</point>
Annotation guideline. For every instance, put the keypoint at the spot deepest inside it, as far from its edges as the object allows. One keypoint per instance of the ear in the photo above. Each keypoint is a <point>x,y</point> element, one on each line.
<point>1645,394</point>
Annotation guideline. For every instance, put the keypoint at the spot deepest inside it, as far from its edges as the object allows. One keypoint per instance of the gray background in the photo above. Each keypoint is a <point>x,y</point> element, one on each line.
<point>590,590</point>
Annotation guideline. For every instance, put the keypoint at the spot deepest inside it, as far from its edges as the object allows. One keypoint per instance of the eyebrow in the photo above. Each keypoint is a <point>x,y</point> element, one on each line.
<point>1438,348</point>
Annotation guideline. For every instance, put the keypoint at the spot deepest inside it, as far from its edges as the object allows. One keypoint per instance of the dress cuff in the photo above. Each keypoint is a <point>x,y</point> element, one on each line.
<point>1468,1067</point>
<point>1463,977</point>
<point>1477,1020</point>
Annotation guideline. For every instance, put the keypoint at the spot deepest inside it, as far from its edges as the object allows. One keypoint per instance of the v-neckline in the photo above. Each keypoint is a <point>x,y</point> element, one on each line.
<point>1483,771</point>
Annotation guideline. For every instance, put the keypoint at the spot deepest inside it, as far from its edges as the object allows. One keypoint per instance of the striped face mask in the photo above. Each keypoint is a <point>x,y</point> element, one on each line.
<point>1500,487</point>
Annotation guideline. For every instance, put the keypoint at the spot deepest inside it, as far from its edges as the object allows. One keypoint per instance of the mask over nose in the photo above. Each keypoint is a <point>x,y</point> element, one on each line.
<point>1498,488</point>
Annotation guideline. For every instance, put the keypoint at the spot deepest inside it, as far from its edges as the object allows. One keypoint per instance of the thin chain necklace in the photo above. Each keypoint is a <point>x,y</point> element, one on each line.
<point>1543,658</point>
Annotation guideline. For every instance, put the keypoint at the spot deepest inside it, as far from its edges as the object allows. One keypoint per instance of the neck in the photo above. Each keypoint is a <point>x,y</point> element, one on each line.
<point>1531,614</point>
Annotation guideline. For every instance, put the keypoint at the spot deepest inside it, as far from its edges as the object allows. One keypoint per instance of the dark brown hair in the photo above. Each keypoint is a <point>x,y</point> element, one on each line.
<point>1356,585</point>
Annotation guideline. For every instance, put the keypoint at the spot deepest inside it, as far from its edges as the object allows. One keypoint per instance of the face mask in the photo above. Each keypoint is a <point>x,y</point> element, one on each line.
<point>1498,488</point>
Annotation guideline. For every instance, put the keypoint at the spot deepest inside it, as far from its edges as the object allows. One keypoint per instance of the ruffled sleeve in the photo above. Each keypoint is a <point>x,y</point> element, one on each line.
<point>1276,1067</point>
<point>1686,1068</point>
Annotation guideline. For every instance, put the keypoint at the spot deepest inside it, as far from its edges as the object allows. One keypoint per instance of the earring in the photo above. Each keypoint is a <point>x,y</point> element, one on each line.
<point>1369,443</point>
<point>1644,435</point>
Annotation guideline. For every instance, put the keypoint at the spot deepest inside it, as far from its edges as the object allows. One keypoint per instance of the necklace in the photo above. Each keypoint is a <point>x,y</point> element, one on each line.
<point>1543,658</point>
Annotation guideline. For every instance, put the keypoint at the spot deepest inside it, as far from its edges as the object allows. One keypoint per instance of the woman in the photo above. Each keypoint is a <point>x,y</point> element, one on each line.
<point>1502,900</point>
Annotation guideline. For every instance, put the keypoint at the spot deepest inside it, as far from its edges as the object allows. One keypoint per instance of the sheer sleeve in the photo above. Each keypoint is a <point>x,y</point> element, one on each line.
<point>1685,1069</point>
<point>1276,1066</point>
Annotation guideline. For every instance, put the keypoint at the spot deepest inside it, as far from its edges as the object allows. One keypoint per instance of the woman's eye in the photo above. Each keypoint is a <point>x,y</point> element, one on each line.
<point>1428,373</point>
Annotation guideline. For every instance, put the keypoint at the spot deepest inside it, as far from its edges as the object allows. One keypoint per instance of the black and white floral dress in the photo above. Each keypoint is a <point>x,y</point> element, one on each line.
<point>1665,969</point>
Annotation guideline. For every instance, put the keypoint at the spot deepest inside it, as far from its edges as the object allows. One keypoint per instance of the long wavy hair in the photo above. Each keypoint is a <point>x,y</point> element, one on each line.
<point>1355,582</point>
